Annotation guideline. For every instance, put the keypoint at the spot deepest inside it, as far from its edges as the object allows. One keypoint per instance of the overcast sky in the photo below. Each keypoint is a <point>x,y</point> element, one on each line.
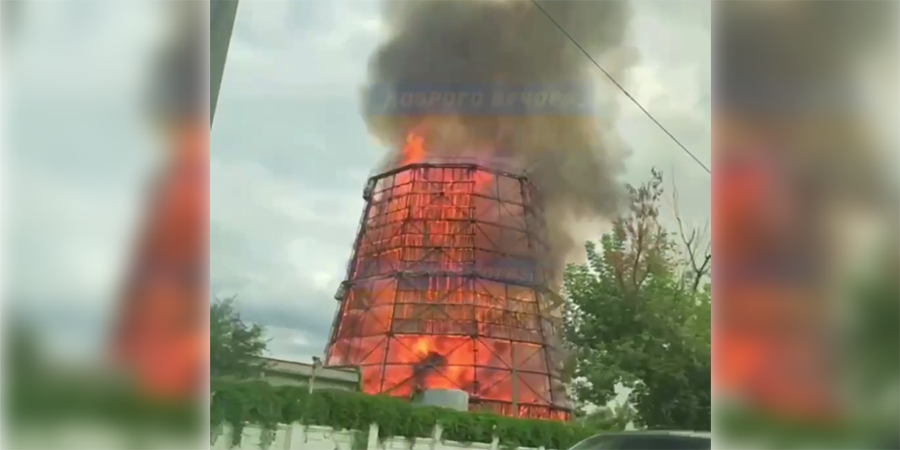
<point>290,153</point>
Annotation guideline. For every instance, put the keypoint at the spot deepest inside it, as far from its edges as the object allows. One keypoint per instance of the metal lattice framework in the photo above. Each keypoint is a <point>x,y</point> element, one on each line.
<point>447,289</point>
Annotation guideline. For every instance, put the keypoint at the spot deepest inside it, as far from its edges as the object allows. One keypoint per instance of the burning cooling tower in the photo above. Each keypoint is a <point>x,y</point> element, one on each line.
<point>447,289</point>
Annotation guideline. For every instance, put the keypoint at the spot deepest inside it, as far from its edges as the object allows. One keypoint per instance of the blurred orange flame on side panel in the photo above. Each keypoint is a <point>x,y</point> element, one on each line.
<point>765,319</point>
<point>161,339</point>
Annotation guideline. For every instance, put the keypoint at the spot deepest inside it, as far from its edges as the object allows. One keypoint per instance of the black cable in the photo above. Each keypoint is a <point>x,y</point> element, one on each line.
<point>621,88</point>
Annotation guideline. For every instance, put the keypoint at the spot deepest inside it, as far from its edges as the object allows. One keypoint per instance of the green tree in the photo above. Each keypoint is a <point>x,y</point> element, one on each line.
<point>612,418</point>
<point>638,316</point>
<point>235,347</point>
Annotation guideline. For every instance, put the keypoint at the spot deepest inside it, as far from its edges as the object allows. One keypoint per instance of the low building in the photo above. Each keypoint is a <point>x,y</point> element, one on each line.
<point>279,372</point>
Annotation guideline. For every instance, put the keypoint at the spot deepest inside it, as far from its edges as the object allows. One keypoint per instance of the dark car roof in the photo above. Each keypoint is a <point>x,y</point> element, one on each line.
<point>618,438</point>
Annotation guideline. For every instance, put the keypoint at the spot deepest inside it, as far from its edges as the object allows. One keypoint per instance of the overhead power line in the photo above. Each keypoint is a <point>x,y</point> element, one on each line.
<point>621,88</point>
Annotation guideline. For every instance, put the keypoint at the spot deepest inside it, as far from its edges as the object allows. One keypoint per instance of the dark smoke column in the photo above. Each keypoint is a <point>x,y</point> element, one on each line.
<point>574,160</point>
<point>447,289</point>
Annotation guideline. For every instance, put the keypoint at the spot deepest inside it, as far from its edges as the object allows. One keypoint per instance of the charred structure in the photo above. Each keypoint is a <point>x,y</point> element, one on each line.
<point>448,288</point>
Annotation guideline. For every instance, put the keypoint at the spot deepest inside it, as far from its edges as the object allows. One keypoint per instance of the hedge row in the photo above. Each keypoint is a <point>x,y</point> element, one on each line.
<point>258,403</point>
<point>239,404</point>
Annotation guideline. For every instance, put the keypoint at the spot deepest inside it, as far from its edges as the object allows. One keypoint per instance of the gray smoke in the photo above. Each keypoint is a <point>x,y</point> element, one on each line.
<point>802,57</point>
<point>574,162</point>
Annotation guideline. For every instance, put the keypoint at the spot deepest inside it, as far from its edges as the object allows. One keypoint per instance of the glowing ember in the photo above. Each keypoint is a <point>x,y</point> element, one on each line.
<point>444,289</point>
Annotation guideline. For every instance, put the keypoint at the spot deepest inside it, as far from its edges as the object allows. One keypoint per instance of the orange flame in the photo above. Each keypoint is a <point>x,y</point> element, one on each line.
<point>414,150</point>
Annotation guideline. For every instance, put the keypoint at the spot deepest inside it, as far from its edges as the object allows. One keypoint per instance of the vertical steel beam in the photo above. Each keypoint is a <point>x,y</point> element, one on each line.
<point>221,17</point>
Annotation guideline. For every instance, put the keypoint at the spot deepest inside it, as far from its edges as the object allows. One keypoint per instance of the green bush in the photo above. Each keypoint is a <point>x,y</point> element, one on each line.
<point>258,403</point>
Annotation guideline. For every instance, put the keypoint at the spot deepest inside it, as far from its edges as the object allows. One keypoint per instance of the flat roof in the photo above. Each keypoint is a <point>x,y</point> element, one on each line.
<point>348,374</point>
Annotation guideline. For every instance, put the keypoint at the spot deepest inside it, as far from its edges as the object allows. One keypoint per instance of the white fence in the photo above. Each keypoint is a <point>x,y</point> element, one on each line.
<point>299,437</point>
<point>97,436</point>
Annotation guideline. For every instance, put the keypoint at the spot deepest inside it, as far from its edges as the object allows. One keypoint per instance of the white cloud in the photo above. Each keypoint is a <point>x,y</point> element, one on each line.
<point>96,48</point>
<point>266,19</point>
<point>323,280</point>
<point>270,56</point>
<point>291,344</point>
<point>352,22</point>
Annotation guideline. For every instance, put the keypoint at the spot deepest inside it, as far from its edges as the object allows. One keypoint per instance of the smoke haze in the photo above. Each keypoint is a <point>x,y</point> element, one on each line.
<point>574,161</point>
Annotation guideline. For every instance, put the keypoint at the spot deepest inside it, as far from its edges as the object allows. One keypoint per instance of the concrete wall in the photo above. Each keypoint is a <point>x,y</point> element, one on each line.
<point>280,372</point>
<point>281,380</point>
<point>298,437</point>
